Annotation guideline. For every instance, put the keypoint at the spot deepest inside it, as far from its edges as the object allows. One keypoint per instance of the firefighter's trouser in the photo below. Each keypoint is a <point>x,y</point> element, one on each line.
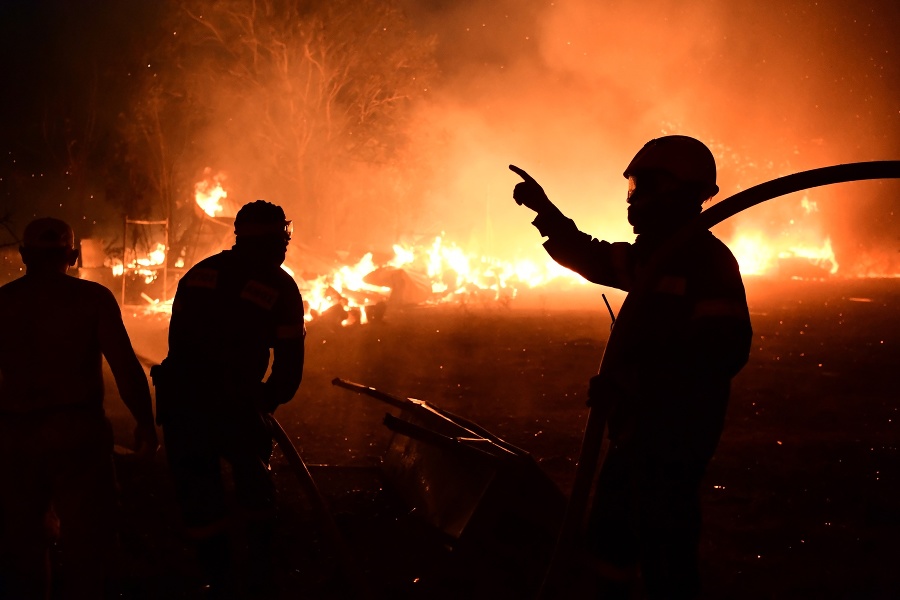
<point>195,443</point>
<point>646,512</point>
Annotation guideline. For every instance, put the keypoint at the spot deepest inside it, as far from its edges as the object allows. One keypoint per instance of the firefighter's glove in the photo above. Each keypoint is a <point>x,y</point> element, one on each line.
<point>530,193</point>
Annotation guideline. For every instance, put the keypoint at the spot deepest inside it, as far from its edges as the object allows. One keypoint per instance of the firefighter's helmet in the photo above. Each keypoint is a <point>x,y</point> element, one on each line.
<point>262,218</point>
<point>685,158</point>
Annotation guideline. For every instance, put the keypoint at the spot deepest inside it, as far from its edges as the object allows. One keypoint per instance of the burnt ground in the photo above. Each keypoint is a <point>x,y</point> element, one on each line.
<point>802,499</point>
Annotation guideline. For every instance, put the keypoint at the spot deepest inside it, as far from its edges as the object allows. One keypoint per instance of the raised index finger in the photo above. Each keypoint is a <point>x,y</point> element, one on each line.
<point>521,173</point>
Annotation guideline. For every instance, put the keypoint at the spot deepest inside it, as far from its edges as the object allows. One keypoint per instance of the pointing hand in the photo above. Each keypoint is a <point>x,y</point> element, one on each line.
<point>529,192</point>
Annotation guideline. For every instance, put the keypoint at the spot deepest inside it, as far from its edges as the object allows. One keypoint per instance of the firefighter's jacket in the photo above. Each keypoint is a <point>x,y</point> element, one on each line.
<point>228,313</point>
<point>56,329</point>
<point>688,336</point>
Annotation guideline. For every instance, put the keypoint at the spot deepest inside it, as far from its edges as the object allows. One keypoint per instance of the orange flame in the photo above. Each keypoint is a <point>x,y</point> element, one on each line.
<point>209,193</point>
<point>796,250</point>
<point>143,266</point>
<point>443,273</point>
<point>757,255</point>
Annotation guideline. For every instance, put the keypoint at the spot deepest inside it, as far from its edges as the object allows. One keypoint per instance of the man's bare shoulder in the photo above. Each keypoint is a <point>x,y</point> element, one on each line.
<point>63,285</point>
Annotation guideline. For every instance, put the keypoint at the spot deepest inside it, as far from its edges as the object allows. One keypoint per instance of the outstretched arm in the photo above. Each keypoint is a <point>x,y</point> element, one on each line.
<point>595,260</point>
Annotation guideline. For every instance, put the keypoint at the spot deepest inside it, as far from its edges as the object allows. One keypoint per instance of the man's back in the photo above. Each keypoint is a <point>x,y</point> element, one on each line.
<point>50,350</point>
<point>227,314</point>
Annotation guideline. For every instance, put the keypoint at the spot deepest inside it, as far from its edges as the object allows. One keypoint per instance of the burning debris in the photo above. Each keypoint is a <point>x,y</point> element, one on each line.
<point>431,273</point>
<point>758,256</point>
<point>144,266</point>
<point>438,272</point>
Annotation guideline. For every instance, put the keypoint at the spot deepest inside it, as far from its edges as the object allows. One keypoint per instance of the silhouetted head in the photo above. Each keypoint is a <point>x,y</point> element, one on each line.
<point>262,231</point>
<point>48,244</point>
<point>668,181</point>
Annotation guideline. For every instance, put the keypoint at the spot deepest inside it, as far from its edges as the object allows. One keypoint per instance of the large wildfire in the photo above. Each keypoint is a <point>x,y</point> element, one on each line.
<point>442,272</point>
<point>379,120</point>
<point>439,272</point>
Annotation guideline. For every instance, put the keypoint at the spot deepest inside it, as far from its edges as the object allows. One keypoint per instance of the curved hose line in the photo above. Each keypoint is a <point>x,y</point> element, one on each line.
<point>346,564</point>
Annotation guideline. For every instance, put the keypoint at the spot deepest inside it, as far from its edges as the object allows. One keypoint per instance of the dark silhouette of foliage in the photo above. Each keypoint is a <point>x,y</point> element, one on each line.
<point>289,98</point>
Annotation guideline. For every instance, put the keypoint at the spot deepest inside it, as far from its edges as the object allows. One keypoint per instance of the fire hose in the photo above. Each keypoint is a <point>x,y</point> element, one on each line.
<point>346,564</point>
<point>592,440</point>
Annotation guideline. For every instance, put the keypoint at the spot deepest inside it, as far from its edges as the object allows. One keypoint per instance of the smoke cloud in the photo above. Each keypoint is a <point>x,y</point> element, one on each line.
<point>570,90</point>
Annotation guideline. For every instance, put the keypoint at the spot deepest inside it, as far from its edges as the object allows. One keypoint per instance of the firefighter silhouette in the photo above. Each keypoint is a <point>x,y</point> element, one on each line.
<point>56,444</point>
<point>230,310</point>
<point>673,378</point>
